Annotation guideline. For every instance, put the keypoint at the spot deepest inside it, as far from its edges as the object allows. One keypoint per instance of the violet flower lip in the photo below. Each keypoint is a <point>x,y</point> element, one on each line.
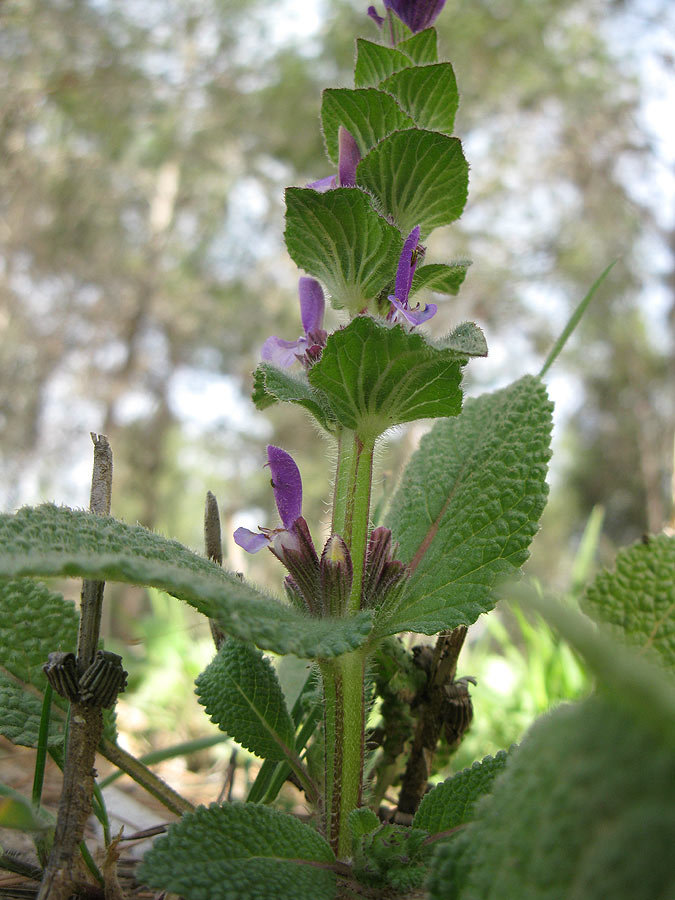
<point>404,275</point>
<point>312,306</point>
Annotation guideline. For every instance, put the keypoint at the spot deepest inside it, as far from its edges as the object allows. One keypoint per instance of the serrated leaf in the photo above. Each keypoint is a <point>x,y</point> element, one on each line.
<point>467,339</point>
<point>439,277</point>
<point>34,622</point>
<point>241,693</point>
<point>585,808</point>
<point>421,47</point>
<point>339,238</point>
<point>428,94</point>
<point>241,852</point>
<point>376,376</point>
<point>361,822</point>
<point>374,63</point>
<point>419,177</point>
<point>368,114</point>
<point>51,540</point>
<point>271,384</point>
<point>637,599</point>
<point>453,802</point>
<point>468,507</point>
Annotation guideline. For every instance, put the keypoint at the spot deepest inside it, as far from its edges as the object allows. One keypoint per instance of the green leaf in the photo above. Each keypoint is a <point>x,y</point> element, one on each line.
<point>419,177</point>
<point>18,813</point>
<point>361,822</point>
<point>271,384</point>
<point>468,507</point>
<point>585,808</point>
<point>466,339</point>
<point>241,693</point>
<point>368,114</point>
<point>453,802</point>
<point>51,540</point>
<point>339,238</point>
<point>374,63</point>
<point>241,852</point>
<point>421,47</point>
<point>376,376</point>
<point>637,600</point>
<point>34,622</point>
<point>428,94</point>
<point>441,278</point>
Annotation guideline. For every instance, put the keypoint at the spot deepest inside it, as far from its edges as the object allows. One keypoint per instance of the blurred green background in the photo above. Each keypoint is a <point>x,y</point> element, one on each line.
<point>145,146</point>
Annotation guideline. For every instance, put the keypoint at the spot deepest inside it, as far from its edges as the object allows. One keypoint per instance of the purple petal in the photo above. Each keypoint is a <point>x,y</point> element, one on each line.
<point>250,541</point>
<point>287,484</point>
<point>372,12</point>
<point>417,315</point>
<point>406,267</point>
<point>349,156</point>
<point>312,304</point>
<point>282,353</point>
<point>417,14</point>
<point>324,184</point>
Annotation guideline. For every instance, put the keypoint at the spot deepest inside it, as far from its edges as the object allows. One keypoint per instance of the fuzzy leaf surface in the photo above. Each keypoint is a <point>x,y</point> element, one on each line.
<point>439,277</point>
<point>453,802</point>
<point>428,94</point>
<point>637,599</point>
<point>584,809</point>
<point>241,693</point>
<point>468,506</point>
<point>339,238</point>
<point>34,622</point>
<point>419,177</point>
<point>421,47</point>
<point>240,852</point>
<point>272,384</point>
<point>368,114</point>
<point>376,376</point>
<point>52,540</point>
<point>374,63</point>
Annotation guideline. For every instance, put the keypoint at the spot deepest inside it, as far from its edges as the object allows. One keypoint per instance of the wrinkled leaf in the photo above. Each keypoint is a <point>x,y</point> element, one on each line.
<point>368,115</point>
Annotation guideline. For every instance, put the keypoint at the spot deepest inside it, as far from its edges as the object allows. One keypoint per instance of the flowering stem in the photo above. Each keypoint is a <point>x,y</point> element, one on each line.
<point>351,512</point>
<point>344,723</point>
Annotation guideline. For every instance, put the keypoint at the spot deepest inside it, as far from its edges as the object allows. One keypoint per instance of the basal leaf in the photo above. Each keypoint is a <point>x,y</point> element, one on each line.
<point>428,94</point>
<point>51,540</point>
<point>419,177</point>
<point>376,376</point>
<point>34,622</point>
<point>374,63</point>
<point>421,47</point>
<point>637,599</point>
<point>368,114</point>
<point>584,809</point>
<point>271,384</point>
<point>453,802</point>
<point>241,852</point>
<point>339,238</point>
<point>241,693</point>
<point>441,278</point>
<point>468,506</point>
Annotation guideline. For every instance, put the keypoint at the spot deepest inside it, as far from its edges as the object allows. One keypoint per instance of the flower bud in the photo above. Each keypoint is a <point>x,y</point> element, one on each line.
<point>384,577</point>
<point>336,576</point>
<point>295,549</point>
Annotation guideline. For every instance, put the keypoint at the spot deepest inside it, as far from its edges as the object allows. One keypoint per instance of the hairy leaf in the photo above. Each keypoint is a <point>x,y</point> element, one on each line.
<point>419,177</point>
<point>34,622</point>
<point>428,94</point>
<point>339,238</point>
<point>453,802</point>
<point>241,852</point>
<point>376,376</point>
<point>241,693</point>
<point>272,384</point>
<point>584,809</point>
<point>468,506</point>
<point>637,599</point>
<point>439,277</point>
<point>421,47</point>
<point>368,114</point>
<point>52,540</point>
<point>374,63</point>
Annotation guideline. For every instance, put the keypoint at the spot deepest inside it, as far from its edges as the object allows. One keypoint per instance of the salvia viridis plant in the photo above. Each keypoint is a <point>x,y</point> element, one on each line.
<point>582,808</point>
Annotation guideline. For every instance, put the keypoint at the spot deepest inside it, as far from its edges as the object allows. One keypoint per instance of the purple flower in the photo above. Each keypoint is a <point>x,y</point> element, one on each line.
<point>349,156</point>
<point>307,347</point>
<point>404,275</point>
<point>417,14</point>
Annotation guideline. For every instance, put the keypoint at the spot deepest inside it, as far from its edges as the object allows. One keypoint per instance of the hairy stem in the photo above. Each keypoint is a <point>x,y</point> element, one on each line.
<point>357,513</point>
